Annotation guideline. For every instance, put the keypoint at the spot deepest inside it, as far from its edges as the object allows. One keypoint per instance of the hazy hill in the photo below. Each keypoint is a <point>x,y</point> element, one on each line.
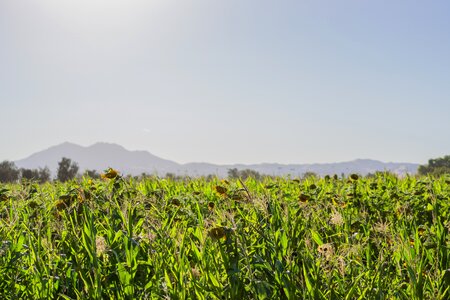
<point>102,155</point>
<point>99,157</point>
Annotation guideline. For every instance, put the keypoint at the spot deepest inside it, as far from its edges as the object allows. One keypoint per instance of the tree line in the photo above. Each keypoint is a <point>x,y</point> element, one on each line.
<point>68,169</point>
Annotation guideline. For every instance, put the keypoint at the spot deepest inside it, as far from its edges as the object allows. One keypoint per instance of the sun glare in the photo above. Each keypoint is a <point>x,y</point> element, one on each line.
<point>105,11</point>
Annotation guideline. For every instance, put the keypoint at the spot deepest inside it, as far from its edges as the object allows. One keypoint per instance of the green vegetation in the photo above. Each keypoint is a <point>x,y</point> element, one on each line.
<point>234,173</point>
<point>437,166</point>
<point>40,175</point>
<point>355,238</point>
<point>8,171</point>
<point>67,169</point>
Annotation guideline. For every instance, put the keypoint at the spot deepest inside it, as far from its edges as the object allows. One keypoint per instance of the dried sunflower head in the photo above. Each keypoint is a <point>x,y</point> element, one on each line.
<point>326,250</point>
<point>110,173</point>
<point>221,190</point>
<point>217,233</point>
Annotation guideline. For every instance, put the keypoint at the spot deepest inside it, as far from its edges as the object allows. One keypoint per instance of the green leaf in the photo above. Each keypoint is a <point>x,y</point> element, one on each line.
<point>316,237</point>
<point>168,281</point>
<point>214,280</point>
<point>308,282</point>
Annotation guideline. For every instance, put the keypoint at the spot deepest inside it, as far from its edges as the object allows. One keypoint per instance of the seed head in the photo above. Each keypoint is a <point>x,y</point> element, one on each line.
<point>336,219</point>
<point>326,250</point>
<point>100,244</point>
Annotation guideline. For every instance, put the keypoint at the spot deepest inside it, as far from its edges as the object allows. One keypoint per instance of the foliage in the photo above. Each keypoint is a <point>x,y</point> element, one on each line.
<point>437,166</point>
<point>352,238</point>
<point>310,174</point>
<point>234,173</point>
<point>91,174</point>
<point>67,169</point>
<point>174,177</point>
<point>40,175</point>
<point>8,171</point>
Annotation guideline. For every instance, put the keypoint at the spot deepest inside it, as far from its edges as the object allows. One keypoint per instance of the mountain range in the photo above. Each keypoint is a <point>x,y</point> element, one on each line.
<point>100,156</point>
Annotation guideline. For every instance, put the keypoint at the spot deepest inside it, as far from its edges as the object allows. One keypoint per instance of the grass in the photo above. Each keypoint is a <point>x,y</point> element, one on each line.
<point>350,238</point>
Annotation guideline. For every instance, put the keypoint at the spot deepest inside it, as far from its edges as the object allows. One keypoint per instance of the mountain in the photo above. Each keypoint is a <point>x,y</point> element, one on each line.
<point>359,166</point>
<point>103,155</point>
<point>99,156</point>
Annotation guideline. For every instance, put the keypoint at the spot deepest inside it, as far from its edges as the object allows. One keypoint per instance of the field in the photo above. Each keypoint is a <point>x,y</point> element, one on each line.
<point>330,238</point>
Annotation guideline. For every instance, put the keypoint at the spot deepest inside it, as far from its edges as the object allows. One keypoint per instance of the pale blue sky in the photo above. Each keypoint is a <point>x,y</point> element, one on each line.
<point>231,81</point>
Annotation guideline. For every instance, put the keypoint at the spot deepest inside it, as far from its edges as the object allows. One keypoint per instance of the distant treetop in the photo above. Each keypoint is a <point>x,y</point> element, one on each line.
<point>436,166</point>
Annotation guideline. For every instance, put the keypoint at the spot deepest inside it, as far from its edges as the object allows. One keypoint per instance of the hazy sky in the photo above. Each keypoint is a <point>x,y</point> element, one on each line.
<point>230,81</point>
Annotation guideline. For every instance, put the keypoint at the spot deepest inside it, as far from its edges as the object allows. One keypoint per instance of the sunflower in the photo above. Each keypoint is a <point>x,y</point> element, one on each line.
<point>304,198</point>
<point>60,205</point>
<point>217,233</point>
<point>354,177</point>
<point>221,190</point>
<point>110,173</point>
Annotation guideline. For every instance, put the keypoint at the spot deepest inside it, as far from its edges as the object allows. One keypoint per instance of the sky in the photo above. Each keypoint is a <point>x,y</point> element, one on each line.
<point>228,81</point>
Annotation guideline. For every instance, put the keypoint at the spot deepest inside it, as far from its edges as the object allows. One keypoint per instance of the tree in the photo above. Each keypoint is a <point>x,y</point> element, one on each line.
<point>44,175</point>
<point>309,174</point>
<point>8,171</point>
<point>41,175</point>
<point>29,174</point>
<point>249,173</point>
<point>171,176</point>
<point>436,166</point>
<point>92,174</point>
<point>67,169</point>
<point>243,174</point>
<point>233,173</point>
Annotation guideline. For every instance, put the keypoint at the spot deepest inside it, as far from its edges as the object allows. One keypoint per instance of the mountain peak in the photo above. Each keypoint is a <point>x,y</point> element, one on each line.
<point>107,145</point>
<point>66,144</point>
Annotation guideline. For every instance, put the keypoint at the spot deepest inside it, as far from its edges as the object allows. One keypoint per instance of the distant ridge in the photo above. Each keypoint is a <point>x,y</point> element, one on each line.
<point>100,156</point>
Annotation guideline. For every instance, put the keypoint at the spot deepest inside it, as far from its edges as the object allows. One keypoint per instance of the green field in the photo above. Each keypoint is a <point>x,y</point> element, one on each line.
<point>348,238</point>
